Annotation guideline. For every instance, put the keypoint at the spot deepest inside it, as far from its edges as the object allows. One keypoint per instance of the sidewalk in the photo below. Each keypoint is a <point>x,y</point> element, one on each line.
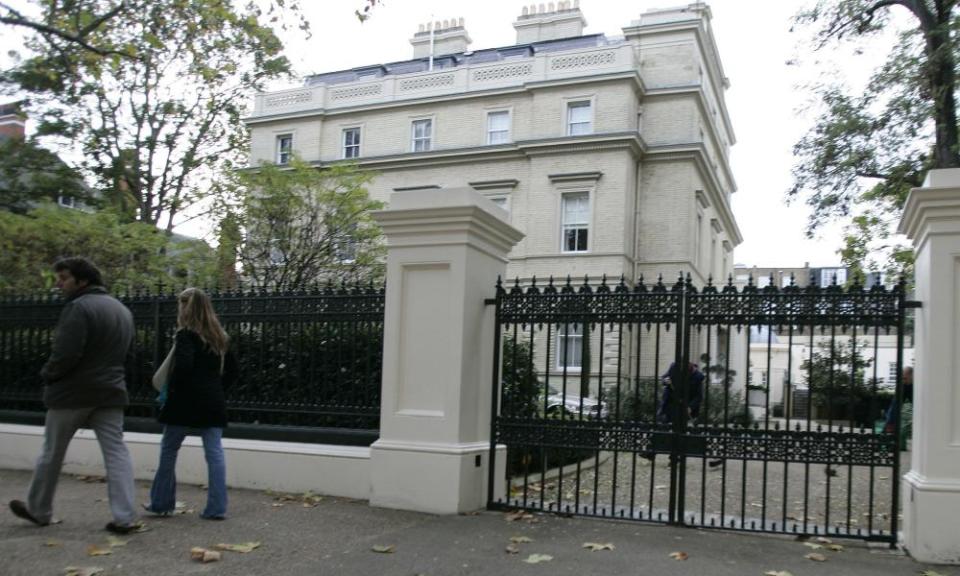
<point>337,536</point>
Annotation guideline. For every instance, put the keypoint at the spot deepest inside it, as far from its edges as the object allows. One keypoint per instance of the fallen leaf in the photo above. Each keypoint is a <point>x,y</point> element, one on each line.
<point>380,548</point>
<point>113,541</point>
<point>812,545</point>
<point>204,555</point>
<point>823,540</point>
<point>277,504</point>
<point>816,557</point>
<point>537,558</point>
<point>93,550</point>
<point>679,555</point>
<point>596,546</point>
<point>242,548</point>
<point>777,573</point>
<point>835,547</point>
<point>930,573</point>
<point>82,570</point>
<point>512,549</point>
<point>51,543</point>
<point>520,539</point>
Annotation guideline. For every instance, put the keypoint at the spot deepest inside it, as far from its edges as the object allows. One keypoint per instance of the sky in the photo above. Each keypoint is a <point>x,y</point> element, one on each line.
<point>764,100</point>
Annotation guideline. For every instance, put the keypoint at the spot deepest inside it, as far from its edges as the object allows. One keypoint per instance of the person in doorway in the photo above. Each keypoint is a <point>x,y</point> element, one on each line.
<point>203,366</point>
<point>694,392</point>
<point>85,387</point>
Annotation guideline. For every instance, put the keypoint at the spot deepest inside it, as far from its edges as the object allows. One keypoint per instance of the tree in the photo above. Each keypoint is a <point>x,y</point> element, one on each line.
<point>30,173</point>
<point>836,376</point>
<point>867,149</point>
<point>132,255</point>
<point>302,225</point>
<point>76,23</point>
<point>157,111</point>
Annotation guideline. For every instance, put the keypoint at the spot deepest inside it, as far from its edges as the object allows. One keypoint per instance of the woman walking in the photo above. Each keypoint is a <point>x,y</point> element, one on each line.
<point>202,366</point>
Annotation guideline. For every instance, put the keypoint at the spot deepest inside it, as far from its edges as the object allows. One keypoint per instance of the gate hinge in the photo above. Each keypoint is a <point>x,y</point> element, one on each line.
<point>913,304</point>
<point>489,301</point>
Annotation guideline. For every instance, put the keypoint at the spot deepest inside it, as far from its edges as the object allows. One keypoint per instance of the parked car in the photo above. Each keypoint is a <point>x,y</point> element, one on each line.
<point>570,404</point>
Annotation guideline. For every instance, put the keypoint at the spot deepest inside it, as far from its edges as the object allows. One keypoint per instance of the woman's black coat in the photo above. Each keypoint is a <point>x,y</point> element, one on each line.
<point>195,388</point>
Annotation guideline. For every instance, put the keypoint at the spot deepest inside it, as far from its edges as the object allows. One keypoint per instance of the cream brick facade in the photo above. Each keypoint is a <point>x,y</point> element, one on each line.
<point>654,163</point>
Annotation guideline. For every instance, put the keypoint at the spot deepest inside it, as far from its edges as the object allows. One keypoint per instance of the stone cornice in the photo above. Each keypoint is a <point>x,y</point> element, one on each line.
<point>516,150</point>
<point>630,75</point>
<point>575,176</point>
<point>494,184</point>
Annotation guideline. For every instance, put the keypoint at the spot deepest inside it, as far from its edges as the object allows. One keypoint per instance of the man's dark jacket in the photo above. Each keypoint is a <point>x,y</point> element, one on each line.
<point>90,349</point>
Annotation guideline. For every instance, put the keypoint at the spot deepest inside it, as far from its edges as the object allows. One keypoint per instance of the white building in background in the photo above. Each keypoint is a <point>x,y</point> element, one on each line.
<point>609,153</point>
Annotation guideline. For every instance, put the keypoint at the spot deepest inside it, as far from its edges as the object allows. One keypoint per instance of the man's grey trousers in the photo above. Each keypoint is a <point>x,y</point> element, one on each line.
<point>107,424</point>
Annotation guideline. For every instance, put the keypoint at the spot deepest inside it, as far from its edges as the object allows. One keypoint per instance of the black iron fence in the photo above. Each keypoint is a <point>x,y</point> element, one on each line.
<point>748,409</point>
<point>310,361</point>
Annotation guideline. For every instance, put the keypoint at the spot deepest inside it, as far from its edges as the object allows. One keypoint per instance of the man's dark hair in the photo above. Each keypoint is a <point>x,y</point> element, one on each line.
<point>81,269</point>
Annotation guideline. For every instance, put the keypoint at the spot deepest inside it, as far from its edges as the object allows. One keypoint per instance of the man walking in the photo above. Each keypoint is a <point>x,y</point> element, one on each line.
<point>85,387</point>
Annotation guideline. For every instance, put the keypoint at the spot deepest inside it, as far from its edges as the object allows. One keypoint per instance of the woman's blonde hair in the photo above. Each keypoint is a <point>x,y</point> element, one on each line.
<point>195,312</point>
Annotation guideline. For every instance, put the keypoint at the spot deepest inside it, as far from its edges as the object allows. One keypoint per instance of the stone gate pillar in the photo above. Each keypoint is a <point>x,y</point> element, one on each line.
<point>931,489</point>
<point>445,249</point>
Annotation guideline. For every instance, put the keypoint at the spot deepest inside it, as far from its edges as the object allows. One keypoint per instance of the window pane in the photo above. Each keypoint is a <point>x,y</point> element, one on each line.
<point>497,121</point>
<point>578,118</point>
<point>576,209</point>
<point>570,352</point>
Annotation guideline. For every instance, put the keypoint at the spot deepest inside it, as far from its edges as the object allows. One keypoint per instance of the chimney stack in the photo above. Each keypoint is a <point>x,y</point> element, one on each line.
<point>550,21</point>
<point>449,37</point>
<point>13,122</point>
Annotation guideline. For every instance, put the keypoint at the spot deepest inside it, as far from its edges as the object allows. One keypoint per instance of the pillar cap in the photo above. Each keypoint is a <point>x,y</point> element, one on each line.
<point>932,207</point>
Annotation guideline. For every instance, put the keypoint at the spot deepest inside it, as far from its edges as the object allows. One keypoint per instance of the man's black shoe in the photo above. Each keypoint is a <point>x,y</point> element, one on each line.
<point>124,529</point>
<point>19,509</point>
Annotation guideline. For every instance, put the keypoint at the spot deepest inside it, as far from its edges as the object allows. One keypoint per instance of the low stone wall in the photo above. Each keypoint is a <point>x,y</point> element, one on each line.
<point>284,466</point>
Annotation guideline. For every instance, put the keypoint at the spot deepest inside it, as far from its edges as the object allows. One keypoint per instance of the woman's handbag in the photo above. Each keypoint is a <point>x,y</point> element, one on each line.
<point>162,375</point>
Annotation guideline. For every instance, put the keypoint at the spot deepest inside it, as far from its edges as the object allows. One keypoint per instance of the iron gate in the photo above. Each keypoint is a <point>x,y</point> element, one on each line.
<point>753,409</point>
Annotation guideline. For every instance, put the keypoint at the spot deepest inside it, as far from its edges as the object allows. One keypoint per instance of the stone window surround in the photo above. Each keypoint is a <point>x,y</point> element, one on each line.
<point>343,139</point>
<point>568,101</point>
<point>572,182</point>
<point>279,149</point>
<point>432,118</point>
<point>486,128</point>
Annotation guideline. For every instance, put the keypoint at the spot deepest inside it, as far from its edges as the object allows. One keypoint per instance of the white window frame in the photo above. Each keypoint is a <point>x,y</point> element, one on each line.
<point>508,132</point>
<point>570,105</point>
<point>414,140</point>
<point>827,275</point>
<point>284,155</point>
<point>344,147</point>
<point>565,226</point>
<point>570,343</point>
<point>67,201</point>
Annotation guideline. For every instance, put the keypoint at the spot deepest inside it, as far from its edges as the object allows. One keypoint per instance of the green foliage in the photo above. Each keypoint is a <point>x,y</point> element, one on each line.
<point>131,254</point>
<point>868,148</point>
<point>521,387</point>
<point>30,173</point>
<point>156,107</point>
<point>837,379</point>
<point>302,224</point>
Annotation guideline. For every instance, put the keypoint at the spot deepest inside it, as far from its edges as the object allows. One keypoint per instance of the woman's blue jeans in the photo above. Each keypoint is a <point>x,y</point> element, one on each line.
<point>163,493</point>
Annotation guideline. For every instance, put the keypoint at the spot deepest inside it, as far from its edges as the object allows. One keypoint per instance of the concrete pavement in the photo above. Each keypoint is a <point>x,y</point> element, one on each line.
<point>308,536</point>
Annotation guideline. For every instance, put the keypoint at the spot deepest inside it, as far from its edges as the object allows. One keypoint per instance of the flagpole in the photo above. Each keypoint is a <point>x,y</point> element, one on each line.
<point>430,66</point>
